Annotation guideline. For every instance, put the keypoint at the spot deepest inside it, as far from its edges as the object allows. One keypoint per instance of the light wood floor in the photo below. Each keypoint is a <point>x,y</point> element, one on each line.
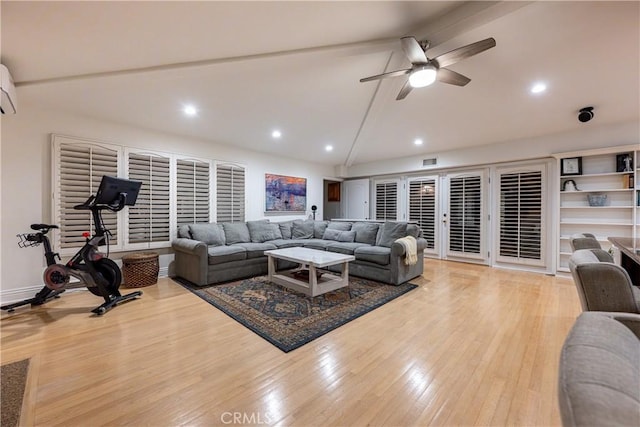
<point>472,345</point>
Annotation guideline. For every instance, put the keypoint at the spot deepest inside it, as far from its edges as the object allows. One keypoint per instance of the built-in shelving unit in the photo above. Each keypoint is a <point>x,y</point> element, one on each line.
<point>607,175</point>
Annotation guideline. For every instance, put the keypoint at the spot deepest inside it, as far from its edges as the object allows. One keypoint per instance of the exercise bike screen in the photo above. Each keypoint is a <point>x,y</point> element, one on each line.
<point>111,188</point>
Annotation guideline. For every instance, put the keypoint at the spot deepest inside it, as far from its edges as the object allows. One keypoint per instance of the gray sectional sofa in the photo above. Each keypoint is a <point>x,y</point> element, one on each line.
<point>599,372</point>
<point>215,253</point>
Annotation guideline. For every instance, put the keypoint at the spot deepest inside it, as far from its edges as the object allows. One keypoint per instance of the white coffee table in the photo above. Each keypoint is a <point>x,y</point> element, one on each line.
<point>311,259</point>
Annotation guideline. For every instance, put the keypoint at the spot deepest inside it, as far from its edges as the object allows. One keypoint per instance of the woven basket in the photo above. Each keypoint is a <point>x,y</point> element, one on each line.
<point>140,269</point>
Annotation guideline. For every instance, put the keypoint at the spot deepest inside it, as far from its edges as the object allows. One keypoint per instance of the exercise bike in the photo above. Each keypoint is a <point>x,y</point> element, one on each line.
<point>91,267</point>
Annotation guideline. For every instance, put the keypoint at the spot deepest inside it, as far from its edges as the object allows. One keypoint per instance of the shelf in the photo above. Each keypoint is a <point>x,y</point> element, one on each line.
<point>610,190</point>
<point>624,224</point>
<point>619,215</point>
<point>589,175</point>
<point>596,207</point>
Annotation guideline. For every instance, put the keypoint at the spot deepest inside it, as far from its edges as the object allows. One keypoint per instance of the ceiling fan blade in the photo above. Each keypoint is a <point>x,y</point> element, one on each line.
<point>385,75</point>
<point>447,76</point>
<point>413,50</point>
<point>463,52</point>
<point>404,91</point>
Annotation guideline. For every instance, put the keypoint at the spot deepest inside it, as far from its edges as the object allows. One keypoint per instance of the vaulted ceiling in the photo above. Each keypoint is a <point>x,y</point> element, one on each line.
<point>252,67</point>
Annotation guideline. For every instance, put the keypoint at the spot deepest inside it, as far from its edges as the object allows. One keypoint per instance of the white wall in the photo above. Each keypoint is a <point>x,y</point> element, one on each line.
<point>26,181</point>
<point>586,137</point>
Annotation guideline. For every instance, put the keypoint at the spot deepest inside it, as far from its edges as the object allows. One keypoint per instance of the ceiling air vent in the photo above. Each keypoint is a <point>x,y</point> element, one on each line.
<point>430,162</point>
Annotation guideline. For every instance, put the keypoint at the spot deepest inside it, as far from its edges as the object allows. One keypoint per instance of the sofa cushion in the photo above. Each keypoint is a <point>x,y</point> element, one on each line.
<point>223,254</point>
<point>414,230</point>
<point>261,231</point>
<point>256,250</point>
<point>339,225</point>
<point>339,236</point>
<point>302,229</point>
<point>366,232</point>
<point>286,243</point>
<point>318,244</point>
<point>184,232</point>
<point>318,228</point>
<point>210,234</point>
<point>389,232</point>
<point>285,229</point>
<point>236,232</point>
<point>376,254</point>
<point>344,247</point>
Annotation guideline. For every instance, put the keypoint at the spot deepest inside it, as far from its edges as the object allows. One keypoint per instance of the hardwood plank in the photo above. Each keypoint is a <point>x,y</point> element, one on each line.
<point>472,345</point>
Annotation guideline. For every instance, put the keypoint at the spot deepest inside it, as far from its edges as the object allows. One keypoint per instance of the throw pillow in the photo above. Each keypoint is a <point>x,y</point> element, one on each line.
<point>389,232</point>
<point>339,225</point>
<point>276,231</point>
<point>236,232</point>
<point>302,229</point>
<point>285,229</point>
<point>366,232</point>
<point>318,228</point>
<point>210,234</point>
<point>339,236</point>
<point>261,231</point>
<point>184,232</point>
<point>414,230</point>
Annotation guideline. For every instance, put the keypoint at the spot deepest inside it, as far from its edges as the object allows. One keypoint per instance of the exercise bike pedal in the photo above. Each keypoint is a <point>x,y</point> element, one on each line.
<point>115,301</point>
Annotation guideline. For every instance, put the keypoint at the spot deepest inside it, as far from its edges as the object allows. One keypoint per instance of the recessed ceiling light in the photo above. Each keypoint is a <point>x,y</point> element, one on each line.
<point>190,110</point>
<point>329,148</point>
<point>276,134</point>
<point>418,141</point>
<point>538,88</point>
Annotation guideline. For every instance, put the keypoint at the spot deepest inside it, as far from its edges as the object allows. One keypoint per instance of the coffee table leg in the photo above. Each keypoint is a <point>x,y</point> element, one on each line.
<point>271,262</point>
<point>345,274</point>
<point>313,280</point>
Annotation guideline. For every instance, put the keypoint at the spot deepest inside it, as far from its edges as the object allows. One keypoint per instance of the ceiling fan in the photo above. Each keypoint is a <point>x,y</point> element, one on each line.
<point>425,71</point>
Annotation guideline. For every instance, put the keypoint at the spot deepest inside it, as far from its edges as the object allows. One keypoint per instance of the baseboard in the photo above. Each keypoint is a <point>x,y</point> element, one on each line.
<point>15,295</point>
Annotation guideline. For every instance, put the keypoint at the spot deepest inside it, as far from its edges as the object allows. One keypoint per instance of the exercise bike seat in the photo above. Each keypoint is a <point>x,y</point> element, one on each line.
<point>43,227</point>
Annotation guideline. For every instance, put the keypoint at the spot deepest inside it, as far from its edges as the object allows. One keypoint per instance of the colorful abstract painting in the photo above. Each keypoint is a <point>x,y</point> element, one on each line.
<point>285,193</point>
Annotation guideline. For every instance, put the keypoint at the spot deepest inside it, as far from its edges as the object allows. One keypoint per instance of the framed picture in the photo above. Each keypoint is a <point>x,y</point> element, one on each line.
<point>624,163</point>
<point>285,193</point>
<point>571,166</point>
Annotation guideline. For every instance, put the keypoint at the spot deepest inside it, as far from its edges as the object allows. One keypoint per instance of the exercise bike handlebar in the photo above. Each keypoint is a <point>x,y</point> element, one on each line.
<point>115,206</point>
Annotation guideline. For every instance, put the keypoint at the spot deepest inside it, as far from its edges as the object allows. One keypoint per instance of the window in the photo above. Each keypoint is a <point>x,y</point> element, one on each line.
<point>521,208</point>
<point>230,192</point>
<point>149,221</point>
<point>387,201</point>
<point>80,170</point>
<point>175,190</point>
<point>193,191</point>
<point>422,207</point>
<point>465,214</point>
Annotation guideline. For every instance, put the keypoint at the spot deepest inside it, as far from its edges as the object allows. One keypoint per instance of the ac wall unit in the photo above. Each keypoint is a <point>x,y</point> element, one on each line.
<point>9,102</point>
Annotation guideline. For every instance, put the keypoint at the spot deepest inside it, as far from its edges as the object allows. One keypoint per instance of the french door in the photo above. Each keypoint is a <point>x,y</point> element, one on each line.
<point>424,209</point>
<point>464,216</point>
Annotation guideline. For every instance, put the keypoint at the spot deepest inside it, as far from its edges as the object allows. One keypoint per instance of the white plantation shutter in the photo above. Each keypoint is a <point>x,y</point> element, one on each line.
<point>149,219</point>
<point>422,207</point>
<point>230,193</point>
<point>192,191</point>
<point>79,169</point>
<point>465,214</point>
<point>386,201</point>
<point>521,204</point>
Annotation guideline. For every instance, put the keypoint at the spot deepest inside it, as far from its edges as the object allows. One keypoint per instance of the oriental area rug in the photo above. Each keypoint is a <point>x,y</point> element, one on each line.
<point>288,319</point>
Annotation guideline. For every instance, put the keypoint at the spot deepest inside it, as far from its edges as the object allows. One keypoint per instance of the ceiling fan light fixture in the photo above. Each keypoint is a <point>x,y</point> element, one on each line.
<point>423,76</point>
